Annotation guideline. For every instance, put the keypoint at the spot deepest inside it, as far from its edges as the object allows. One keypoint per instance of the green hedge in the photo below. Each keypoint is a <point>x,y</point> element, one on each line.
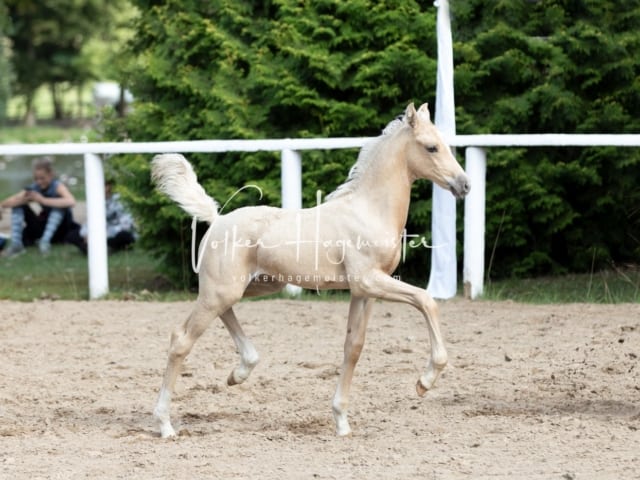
<point>239,69</point>
<point>554,67</point>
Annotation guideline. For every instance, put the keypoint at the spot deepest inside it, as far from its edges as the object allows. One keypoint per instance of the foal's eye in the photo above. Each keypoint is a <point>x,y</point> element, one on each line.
<point>432,149</point>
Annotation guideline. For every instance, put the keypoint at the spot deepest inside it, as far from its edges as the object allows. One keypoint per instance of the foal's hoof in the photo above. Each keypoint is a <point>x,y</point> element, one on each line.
<point>231,381</point>
<point>421,389</point>
<point>167,432</point>
<point>343,430</point>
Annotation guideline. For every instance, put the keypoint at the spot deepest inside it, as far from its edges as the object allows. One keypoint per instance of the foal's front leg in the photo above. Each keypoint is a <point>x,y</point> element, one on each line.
<point>182,341</point>
<point>380,285</point>
<point>359,314</point>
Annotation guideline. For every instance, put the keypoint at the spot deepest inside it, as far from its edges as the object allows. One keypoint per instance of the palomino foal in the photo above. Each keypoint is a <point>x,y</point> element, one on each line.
<point>352,241</point>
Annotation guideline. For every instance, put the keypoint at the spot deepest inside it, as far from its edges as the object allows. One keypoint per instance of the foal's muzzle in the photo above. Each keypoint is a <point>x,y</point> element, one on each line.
<point>460,186</point>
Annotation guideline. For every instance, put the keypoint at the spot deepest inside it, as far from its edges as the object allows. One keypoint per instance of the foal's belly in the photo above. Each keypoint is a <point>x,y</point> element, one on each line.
<point>305,267</point>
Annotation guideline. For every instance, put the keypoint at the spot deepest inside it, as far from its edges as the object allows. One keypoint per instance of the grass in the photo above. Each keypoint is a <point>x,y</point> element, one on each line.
<point>46,134</point>
<point>133,276</point>
<point>64,275</point>
<point>607,286</point>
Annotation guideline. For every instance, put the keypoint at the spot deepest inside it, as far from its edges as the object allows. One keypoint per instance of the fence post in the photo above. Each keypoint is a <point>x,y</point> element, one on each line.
<point>474,216</point>
<point>443,277</point>
<point>96,227</point>
<point>291,185</point>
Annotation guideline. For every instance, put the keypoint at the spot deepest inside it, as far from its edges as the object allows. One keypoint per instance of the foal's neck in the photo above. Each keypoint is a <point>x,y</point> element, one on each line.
<point>387,183</point>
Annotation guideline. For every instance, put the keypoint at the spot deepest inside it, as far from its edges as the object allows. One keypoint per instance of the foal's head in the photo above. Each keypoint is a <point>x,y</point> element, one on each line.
<point>430,157</point>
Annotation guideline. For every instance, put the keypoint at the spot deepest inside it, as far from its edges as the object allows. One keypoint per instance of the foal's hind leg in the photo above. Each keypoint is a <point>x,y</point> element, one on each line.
<point>248,354</point>
<point>359,314</point>
<point>182,341</point>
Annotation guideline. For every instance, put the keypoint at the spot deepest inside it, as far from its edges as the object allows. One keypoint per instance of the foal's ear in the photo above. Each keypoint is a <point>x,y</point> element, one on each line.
<point>424,110</point>
<point>410,114</point>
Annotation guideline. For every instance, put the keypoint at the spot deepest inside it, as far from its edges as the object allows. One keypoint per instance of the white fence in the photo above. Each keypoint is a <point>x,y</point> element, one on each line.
<point>291,168</point>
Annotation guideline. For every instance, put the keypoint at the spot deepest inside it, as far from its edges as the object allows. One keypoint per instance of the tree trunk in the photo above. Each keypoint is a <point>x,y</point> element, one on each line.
<point>58,113</point>
<point>121,107</point>
<point>80,106</point>
<point>30,114</point>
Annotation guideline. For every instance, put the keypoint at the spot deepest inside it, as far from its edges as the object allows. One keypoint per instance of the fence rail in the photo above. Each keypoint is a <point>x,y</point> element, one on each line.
<point>206,146</point>
<point>291,168</point>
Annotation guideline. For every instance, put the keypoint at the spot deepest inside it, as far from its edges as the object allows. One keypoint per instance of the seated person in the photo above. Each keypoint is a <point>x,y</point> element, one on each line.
<point>52,223</point>
<point>121,232</point>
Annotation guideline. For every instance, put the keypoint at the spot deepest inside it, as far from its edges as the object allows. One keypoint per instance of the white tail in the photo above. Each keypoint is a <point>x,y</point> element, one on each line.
<point>174,176</point>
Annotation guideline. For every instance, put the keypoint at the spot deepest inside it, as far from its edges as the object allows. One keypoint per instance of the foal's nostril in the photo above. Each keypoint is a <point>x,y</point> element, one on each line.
<point>463,184</point>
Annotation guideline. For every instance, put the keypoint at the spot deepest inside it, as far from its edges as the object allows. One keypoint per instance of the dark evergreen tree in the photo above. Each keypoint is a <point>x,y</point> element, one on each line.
<point>553,66</point>
<point>284,68</point>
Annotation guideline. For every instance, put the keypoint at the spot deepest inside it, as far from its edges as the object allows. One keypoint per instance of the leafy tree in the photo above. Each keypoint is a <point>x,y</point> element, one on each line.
<point>48,37</point>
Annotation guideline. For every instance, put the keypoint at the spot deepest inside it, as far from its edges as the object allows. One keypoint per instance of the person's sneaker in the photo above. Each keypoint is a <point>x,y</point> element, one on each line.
<point>45,247</point>
<point>13,251</point>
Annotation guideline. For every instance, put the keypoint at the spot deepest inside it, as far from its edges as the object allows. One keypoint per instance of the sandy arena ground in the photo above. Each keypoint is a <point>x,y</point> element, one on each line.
<point>531,392</point>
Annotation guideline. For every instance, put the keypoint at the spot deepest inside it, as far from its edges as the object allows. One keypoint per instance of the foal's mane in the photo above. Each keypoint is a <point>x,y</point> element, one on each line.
<point>365,156</point>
